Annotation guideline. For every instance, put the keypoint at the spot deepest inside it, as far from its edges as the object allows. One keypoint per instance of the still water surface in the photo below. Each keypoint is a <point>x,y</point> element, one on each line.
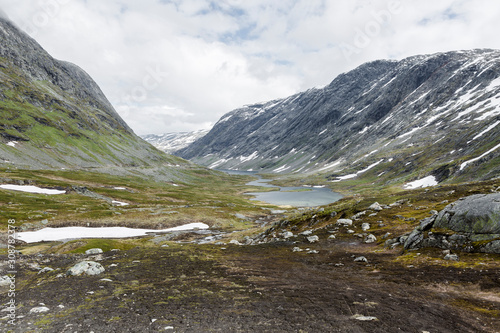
<point>298,196</point>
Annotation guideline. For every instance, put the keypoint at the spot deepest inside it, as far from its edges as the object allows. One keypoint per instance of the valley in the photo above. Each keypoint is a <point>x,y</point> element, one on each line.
<point>369,205</point>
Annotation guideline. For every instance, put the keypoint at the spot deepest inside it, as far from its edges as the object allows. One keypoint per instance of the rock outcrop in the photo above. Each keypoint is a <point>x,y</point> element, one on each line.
<point>86,267</point>
<point>471,224</point>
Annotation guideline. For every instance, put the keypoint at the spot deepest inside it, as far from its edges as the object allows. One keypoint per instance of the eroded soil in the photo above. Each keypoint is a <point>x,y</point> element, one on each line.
<point>259,288</point>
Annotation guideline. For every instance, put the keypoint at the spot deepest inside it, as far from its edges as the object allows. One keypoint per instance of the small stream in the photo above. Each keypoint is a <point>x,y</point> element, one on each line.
<point>297,196</point>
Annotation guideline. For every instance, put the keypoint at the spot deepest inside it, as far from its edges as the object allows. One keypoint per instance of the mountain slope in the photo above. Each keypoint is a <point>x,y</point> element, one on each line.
<point>54,115</point>
<point>422,115</point>
<point>171,142</point>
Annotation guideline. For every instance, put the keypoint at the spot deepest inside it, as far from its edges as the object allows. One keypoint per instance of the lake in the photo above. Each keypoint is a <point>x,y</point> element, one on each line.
<point>298,196</point>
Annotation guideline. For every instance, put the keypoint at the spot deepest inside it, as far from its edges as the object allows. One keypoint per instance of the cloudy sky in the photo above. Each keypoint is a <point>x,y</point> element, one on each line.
<point>179,65</point>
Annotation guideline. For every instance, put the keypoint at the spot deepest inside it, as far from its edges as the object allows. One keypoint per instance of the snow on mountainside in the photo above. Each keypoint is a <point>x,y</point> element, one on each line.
<point>172,142</point>
<point>431,114</point>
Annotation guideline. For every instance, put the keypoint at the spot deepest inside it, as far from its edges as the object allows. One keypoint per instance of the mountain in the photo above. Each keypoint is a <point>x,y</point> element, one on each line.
<point>172,142</point>
<point>424,115</point>
<point>53,115</point>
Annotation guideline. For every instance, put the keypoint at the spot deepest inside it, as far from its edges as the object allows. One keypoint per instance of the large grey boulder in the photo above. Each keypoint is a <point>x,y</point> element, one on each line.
<point>476,214</point>
<point>86,267</point>
<point>94,251</point>
<point>470,224</point>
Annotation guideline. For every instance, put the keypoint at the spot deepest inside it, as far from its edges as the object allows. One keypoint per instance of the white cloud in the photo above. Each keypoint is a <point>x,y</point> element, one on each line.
<point>175,65</point>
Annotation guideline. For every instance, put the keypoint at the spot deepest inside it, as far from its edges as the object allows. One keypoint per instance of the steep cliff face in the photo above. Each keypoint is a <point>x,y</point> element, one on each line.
<point>425,114</point>
<point>52,114</point>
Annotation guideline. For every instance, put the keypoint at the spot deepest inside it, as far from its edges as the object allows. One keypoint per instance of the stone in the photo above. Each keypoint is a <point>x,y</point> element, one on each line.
<point>361,259</point>
<point>413,240</point>
<point>451,257</point>
<point>375,206</point>
<point>427,223</point>
<point>331,237</point>
<point>491,247</point>
<point>235,242</point>
<point>370,239</point>
<point>86,267</point>
<point>312,252</point>
<point>313,239</point>
<point>297,249</point>
<point>477,214</point>
<point>365,226</point>
<point>45,270</point>
<point>39,309</point>
<point>306,233</point>
<point>344,222</point>
<point>5,280</point>
<point>358,215</point>
<point>287,234</point>
<point>94,251</point>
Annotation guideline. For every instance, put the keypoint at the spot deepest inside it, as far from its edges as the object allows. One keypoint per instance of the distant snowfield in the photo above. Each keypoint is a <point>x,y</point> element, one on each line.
<point>58,234</point>
<point>31,189</point>
<point>424,182</point>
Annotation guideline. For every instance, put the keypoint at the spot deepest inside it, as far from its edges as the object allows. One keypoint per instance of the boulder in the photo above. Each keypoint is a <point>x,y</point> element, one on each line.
<point>45,270</point>
<point>471,224</point>
<point>375,206</point>
<point>453,257</point>
<point>370,239</point>
<point>5,280</point>
<point>476,214</point>
<point>365,226</point>
<point>344,222</point>
<point>86,267</point>
<point>39,309</point>
<point>313,239</point>
<point>414,239</point>
<point>361,259</point>
<point>94,251</point>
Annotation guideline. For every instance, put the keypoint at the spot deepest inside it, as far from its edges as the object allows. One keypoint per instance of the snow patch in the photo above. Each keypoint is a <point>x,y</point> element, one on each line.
<point>463,165</point>
<point>487,130</point>
<point>119,203</point>
<point>420,183</point>
<point>31,189</point>
<point>330,165</point>
<point>409,133</point>
<point>57,234</point>
<point>217,163</point>
<point>358,173</point>
<point>282,168</point>
<point>254,155</point>
<point>12,144</point>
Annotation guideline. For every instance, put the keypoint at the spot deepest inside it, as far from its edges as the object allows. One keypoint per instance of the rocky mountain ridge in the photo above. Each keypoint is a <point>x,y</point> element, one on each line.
<point>398,120</point>
<point>53,115</point>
